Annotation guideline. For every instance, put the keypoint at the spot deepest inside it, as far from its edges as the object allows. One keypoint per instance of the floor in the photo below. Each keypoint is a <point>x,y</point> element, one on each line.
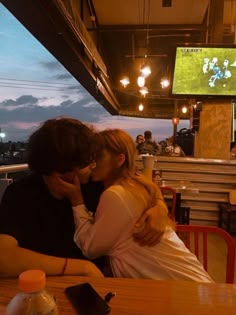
<point>217,258</point>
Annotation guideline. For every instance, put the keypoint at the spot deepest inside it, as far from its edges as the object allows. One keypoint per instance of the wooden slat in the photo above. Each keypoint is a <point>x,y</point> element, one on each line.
<point>213,178</point>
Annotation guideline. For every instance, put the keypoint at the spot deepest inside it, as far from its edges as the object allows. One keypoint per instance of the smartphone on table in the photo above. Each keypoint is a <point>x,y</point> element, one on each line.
<point>86,300</point>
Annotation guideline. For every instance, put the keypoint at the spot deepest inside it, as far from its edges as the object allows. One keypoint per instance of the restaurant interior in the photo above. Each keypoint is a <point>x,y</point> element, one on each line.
<point>100,45</point>
<point>107,49</point>
<point>106,45</point>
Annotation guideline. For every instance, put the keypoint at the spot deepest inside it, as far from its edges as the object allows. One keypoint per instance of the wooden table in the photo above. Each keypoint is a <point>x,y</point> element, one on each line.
<point>142,297</point>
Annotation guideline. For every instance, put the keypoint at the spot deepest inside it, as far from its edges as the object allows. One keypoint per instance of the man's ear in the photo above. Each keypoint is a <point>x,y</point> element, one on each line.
<point>121,160</point>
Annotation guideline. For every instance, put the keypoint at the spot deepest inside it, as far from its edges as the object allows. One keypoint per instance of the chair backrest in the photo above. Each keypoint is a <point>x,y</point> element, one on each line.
<point>197,237</point>
<point>167,190</point>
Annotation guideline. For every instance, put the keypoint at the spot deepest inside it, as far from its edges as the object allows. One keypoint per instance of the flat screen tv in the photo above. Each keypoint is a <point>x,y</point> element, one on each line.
<point>204,71</point>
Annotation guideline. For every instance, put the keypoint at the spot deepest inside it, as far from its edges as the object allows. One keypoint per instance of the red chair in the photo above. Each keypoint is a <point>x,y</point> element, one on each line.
<point>167,190</point>
<point>197,237</point>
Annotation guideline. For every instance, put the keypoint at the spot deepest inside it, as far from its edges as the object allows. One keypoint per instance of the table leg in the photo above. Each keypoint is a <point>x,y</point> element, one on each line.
<point>178,208</point>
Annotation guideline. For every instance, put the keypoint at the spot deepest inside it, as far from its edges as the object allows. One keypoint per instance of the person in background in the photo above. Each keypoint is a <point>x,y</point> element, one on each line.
<point>148,146</point>
<point>139,140</point>
<point>36,218</point>
<point>173,148</point>
<point>233,151</point>
<point>127,194</point>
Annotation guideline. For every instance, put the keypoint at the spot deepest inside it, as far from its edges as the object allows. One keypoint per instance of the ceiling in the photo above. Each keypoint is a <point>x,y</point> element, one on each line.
<point>99,41</point>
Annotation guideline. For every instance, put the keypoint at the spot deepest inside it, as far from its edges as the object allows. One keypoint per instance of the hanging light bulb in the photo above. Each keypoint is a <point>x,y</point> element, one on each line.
<point>144,91</point>
<point>165,83</point>
<point>140,107</point>
<point>141,81</point>
<point>145,70</point>
<point>125,81</point>
<point>184,109</point>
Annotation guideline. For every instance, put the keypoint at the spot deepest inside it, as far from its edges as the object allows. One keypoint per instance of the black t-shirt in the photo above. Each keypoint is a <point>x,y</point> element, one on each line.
<point>40,222</point>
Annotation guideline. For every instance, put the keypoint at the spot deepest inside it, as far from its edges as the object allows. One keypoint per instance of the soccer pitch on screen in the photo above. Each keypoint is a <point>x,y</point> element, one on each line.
<point>204,71</point>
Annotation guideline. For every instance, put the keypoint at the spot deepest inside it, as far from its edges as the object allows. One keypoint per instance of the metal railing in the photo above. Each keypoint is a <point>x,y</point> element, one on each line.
<point>6,180</point>
<point>6,169</point>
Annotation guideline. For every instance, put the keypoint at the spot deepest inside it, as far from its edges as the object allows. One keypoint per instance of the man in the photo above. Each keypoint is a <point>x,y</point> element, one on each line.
<point>148,146</point>
<point>36,220</point>
<point>139,140</point>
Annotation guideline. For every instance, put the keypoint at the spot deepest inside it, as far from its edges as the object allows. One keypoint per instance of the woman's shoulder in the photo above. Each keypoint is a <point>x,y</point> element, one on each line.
<point>127,194</point>
<point>117,191</point>
<point>116,188</point>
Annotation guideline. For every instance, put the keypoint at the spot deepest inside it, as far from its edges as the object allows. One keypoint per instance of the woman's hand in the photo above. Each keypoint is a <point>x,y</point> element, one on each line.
<point>154,222</point>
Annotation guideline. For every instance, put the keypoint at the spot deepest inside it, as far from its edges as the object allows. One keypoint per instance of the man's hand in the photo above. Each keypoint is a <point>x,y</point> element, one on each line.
<point>154,222</point>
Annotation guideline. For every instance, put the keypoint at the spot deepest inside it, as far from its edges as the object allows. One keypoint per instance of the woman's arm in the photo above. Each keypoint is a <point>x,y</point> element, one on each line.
<point>154,221</point>
<point>15,259</point>
<point>99,237</point>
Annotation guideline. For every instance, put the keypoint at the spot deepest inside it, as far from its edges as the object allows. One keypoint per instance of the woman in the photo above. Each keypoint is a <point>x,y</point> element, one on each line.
<point>126,196</point>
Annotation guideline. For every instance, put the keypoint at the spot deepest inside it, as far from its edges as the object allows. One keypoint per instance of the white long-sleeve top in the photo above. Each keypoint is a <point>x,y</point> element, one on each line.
<point>110,233</point>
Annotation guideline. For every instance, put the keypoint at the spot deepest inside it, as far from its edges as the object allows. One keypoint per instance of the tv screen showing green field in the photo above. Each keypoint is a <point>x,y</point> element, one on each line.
<point>205,71</point>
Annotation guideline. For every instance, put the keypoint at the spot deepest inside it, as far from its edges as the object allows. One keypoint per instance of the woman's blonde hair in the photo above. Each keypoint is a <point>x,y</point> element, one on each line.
<point>117,141</point>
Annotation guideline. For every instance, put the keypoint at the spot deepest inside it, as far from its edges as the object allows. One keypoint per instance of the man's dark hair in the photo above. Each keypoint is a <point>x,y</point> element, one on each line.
<point>138,136</point>
<point>147,134</point>
<point>60,145</point>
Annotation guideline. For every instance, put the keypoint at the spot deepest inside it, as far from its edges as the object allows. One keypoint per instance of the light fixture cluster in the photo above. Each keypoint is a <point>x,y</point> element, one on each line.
<point>145,71</point>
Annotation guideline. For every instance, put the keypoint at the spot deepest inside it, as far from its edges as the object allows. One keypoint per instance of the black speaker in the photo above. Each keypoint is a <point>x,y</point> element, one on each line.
<point>185,139</point>
<point>196,120</point>
<point>196,116</point>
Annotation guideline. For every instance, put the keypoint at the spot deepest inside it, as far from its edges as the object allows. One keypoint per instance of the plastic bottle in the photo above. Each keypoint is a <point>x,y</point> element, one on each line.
<point>32,299</point>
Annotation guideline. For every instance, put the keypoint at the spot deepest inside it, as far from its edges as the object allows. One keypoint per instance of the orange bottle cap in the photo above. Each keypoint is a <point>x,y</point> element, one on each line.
<point>32,281</point>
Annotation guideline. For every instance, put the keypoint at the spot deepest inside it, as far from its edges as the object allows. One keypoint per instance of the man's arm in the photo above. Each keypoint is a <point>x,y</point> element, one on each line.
<point>14,260</point>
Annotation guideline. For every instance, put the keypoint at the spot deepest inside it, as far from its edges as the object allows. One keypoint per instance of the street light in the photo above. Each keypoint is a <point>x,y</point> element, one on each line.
<point>2,136</point>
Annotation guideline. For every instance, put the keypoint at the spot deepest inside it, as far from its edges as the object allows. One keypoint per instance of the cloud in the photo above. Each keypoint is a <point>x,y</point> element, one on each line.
<point>63,76</point>
<point>8,102</point>
<point>50,91</point>
<point>74,87</point>
<point>19,131</point>
<point>22,101</point>
<point>26,99</point>
<point>84,107</point>
<point>161,128</point>
<point>31,106</point>
<point>51,65</point>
